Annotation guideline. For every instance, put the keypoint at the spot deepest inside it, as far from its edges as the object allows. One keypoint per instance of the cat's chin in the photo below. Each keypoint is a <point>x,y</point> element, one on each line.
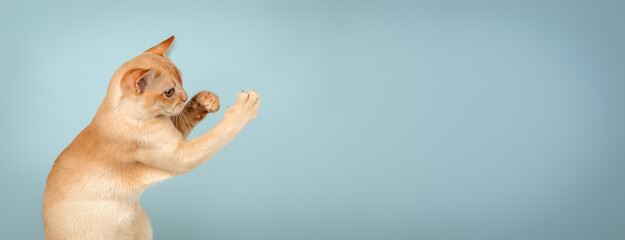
<point>176,110</point>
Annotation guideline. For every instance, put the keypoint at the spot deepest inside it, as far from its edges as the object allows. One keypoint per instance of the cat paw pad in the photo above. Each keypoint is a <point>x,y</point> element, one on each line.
<point>207,101</point>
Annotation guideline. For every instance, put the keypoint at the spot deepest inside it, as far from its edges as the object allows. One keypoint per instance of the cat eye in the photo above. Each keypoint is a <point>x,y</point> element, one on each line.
<point>169,92</point>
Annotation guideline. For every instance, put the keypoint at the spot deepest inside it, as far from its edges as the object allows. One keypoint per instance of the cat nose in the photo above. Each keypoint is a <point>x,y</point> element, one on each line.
<point>183,96</point>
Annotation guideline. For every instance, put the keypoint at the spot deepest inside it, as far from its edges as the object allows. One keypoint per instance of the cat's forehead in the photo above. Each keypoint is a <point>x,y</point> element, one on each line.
<point>163,65</point>
<point>168,69</point>
<point>175,73</point>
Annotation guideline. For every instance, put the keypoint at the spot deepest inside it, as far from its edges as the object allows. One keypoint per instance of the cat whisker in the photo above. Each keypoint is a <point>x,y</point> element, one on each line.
<point>181,118</point>
<point>188,119</point>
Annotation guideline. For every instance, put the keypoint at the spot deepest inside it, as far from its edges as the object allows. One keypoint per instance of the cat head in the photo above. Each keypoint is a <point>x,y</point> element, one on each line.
<point>152,83</point>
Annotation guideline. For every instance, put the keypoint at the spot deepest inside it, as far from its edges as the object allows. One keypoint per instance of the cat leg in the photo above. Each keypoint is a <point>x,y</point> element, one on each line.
<point>143,229</point>
<point>179,158</point>
<point>194,111</point>
<point>197,151</point>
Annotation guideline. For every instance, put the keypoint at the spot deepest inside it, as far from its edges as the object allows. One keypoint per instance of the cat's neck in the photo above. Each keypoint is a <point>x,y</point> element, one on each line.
<point>123,119</point>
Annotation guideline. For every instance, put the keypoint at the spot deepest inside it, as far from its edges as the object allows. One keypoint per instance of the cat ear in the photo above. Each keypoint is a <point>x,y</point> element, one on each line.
<point>145,80</point>
<point>138,79</point>
<point>161,48</point>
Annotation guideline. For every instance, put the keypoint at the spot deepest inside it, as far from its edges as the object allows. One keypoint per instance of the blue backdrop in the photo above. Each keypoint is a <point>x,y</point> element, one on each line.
<point>380,119</point>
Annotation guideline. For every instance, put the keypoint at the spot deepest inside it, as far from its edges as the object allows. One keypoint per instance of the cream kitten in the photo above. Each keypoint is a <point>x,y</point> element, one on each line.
<point>137,138</point>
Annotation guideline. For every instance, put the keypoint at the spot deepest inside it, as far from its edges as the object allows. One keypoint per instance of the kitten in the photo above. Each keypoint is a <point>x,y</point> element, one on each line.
<point>137,138</point>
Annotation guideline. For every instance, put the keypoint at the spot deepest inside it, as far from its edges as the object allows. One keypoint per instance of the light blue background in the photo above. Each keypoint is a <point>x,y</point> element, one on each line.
<point>380,119</point>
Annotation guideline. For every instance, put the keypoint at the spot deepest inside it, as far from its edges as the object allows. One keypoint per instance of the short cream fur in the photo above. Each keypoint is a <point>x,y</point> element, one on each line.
<point>137,138</point>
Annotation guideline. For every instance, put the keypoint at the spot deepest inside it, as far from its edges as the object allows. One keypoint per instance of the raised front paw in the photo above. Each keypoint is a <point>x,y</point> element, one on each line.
<point>204,102</point>
<point>245,108</point>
